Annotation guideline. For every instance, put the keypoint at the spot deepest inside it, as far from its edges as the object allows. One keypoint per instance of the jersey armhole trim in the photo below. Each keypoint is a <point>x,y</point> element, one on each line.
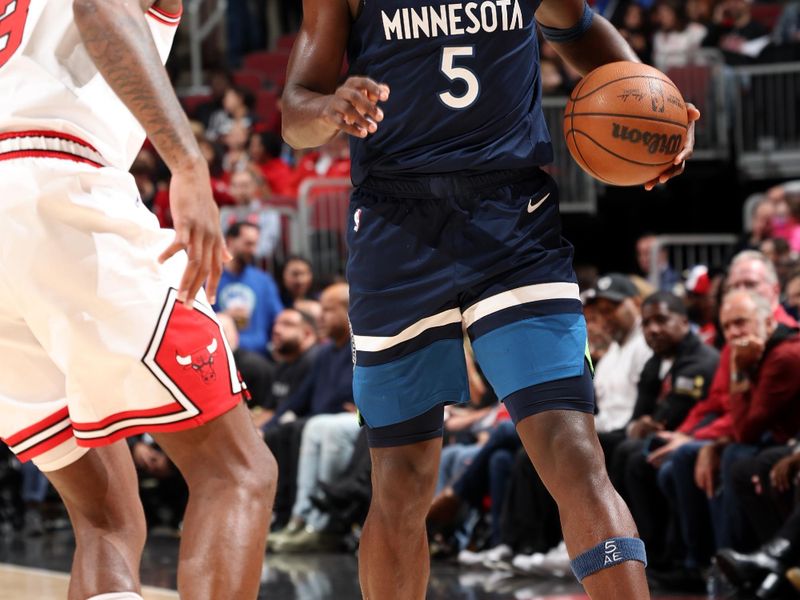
<point>162,16</point>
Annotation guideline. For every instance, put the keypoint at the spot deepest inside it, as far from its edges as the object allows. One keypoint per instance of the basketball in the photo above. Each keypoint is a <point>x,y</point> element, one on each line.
<point>625,123</point>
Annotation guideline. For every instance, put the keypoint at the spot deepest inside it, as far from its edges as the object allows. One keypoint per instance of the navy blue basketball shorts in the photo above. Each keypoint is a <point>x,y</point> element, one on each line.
<point>432,257</point>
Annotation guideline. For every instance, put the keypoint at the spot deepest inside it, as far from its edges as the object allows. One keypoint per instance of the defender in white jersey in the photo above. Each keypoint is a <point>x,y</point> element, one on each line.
<point>105,331</point>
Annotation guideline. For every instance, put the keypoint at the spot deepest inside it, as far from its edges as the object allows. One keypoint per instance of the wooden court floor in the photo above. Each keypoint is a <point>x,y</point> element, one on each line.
<point>24,583</point>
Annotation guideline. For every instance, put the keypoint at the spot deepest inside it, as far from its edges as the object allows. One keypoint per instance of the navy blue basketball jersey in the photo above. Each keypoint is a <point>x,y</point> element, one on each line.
<point>465,88</point>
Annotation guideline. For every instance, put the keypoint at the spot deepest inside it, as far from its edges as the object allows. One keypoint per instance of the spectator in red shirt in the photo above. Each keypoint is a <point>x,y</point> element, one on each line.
<point>265,153</point>
<point>708,421</point>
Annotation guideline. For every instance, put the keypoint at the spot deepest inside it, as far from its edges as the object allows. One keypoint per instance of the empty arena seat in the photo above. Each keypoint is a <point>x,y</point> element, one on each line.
<point>767,14</point>
<point>190,103</point>
<point>249,79</point>
<point>271,65</point>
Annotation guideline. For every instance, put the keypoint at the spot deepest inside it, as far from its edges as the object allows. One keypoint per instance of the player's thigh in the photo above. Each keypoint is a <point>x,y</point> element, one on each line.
<point>105,310</point>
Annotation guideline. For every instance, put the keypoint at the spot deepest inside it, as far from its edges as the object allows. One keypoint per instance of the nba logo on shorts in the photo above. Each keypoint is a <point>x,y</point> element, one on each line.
<point>357,219</point>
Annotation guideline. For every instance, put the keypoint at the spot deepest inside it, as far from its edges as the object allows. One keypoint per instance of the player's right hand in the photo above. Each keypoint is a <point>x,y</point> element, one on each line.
<point>197,230</point>
<point>353,108</point>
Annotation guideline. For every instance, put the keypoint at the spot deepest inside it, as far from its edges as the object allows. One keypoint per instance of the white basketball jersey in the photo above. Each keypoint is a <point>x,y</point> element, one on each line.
<point>49,84</point>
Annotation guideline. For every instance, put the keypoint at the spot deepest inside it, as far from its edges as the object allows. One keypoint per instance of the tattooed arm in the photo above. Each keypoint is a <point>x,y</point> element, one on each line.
<point>120,44</point>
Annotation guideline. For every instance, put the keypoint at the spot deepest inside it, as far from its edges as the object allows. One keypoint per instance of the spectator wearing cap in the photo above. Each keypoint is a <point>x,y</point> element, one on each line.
<point>673,380</point>
<point>667,278</point>
<point>617,373</point>
<point>701,304</point>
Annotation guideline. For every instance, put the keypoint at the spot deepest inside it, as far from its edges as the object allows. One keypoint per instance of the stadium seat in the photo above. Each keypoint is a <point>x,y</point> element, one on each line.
<point>766,14</point>
<point>250,79</point>
<point>190,103</point>
<point>285,42</point>
<point>272,66</point>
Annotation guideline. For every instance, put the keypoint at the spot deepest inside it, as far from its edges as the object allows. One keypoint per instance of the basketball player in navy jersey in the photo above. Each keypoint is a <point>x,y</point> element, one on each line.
<point>451,222</point>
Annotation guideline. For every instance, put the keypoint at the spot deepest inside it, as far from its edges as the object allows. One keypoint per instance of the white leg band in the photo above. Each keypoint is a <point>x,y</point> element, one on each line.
<point>117,596</point>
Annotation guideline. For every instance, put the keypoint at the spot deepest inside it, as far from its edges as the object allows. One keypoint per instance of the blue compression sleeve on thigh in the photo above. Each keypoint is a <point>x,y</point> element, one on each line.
<point>608,553</point>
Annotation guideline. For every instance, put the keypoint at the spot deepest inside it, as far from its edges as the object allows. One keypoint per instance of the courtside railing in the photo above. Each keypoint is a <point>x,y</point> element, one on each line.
<point>577,190</point>
<point>767,120</point>
<point>685,251</point>
<point>322,220</point>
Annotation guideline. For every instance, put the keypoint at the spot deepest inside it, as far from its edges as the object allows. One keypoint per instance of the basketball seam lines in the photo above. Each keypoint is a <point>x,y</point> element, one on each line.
<point>630,160</point>
<point>623,115</point>
<point>606,84</point>
<point>575,141</point>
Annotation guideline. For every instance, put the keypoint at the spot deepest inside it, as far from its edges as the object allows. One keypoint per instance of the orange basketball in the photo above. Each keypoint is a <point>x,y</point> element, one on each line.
<point>625,122</point>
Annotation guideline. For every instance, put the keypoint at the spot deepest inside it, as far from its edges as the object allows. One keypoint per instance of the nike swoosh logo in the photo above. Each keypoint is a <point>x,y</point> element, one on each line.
<point>533,207</point>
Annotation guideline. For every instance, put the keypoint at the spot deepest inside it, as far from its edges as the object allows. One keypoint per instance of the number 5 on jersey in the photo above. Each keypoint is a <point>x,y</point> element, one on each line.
<point>454,73</point>
<point>13,14</point>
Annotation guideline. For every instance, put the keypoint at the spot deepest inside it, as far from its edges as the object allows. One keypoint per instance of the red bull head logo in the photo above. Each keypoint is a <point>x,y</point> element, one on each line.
<point>201,361</point>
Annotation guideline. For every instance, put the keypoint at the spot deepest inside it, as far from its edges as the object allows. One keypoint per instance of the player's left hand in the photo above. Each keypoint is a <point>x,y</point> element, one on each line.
<point>679,163</point>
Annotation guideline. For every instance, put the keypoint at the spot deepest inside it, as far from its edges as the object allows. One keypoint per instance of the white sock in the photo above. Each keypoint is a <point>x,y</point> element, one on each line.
<point>117,596</point>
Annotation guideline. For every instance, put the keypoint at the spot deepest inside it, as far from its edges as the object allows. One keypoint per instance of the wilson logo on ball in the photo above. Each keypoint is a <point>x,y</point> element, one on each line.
<point>656,143</point>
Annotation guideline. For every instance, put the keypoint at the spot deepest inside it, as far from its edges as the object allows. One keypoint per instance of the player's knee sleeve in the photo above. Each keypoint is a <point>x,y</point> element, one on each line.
<point>117,596</point>
<point>608,553</point>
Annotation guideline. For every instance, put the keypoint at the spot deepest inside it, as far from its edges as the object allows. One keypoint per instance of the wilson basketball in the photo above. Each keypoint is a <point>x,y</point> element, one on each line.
<point>625,122</point>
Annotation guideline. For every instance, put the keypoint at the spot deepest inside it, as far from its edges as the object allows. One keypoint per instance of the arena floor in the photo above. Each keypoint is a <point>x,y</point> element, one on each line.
<point>34,569</point>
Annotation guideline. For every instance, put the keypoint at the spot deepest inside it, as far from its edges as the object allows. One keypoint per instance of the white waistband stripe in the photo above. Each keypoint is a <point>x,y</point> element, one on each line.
<point>45,143</point>
<point>521,295</point>
<point>370,343</point>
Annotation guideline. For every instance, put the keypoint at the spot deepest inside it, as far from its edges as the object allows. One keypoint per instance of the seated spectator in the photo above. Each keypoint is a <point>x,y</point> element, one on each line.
<point>327,390</point>
<point>326,448</point>
<point>313,309</point>
<point>235,157</point>
<point>296,280</point>
<point>787,29</point>
<point>636,30</point>
<point>677,375</point>
<point>247,190</point>
<point>676,40</point>
<point>792,296</point>
<point>617,373</point>
<point>709,420</point>
<point>329,160</point>
<point>701,304</point>
<point>761,219</point>
<point>237,109</point>
<point>163,490</point>
<point>246,293</point>
<point>264,150</point>
<point>734,31</point>
<point>667,277</point>
<point>487,473</point>
<point>293,350</point>
<point>219,82</point>
<point>766,486</point>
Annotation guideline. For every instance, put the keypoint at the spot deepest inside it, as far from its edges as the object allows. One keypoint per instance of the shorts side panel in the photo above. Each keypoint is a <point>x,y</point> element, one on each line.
<point>532,351</point>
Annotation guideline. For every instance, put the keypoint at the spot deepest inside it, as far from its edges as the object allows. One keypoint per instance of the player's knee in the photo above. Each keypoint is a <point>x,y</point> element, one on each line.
<point>123,522</point>
<point>403,489</point>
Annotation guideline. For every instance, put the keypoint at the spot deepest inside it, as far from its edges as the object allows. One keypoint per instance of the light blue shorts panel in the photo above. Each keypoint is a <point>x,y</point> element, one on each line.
<point>404,388</point>
<point>532,351</point>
